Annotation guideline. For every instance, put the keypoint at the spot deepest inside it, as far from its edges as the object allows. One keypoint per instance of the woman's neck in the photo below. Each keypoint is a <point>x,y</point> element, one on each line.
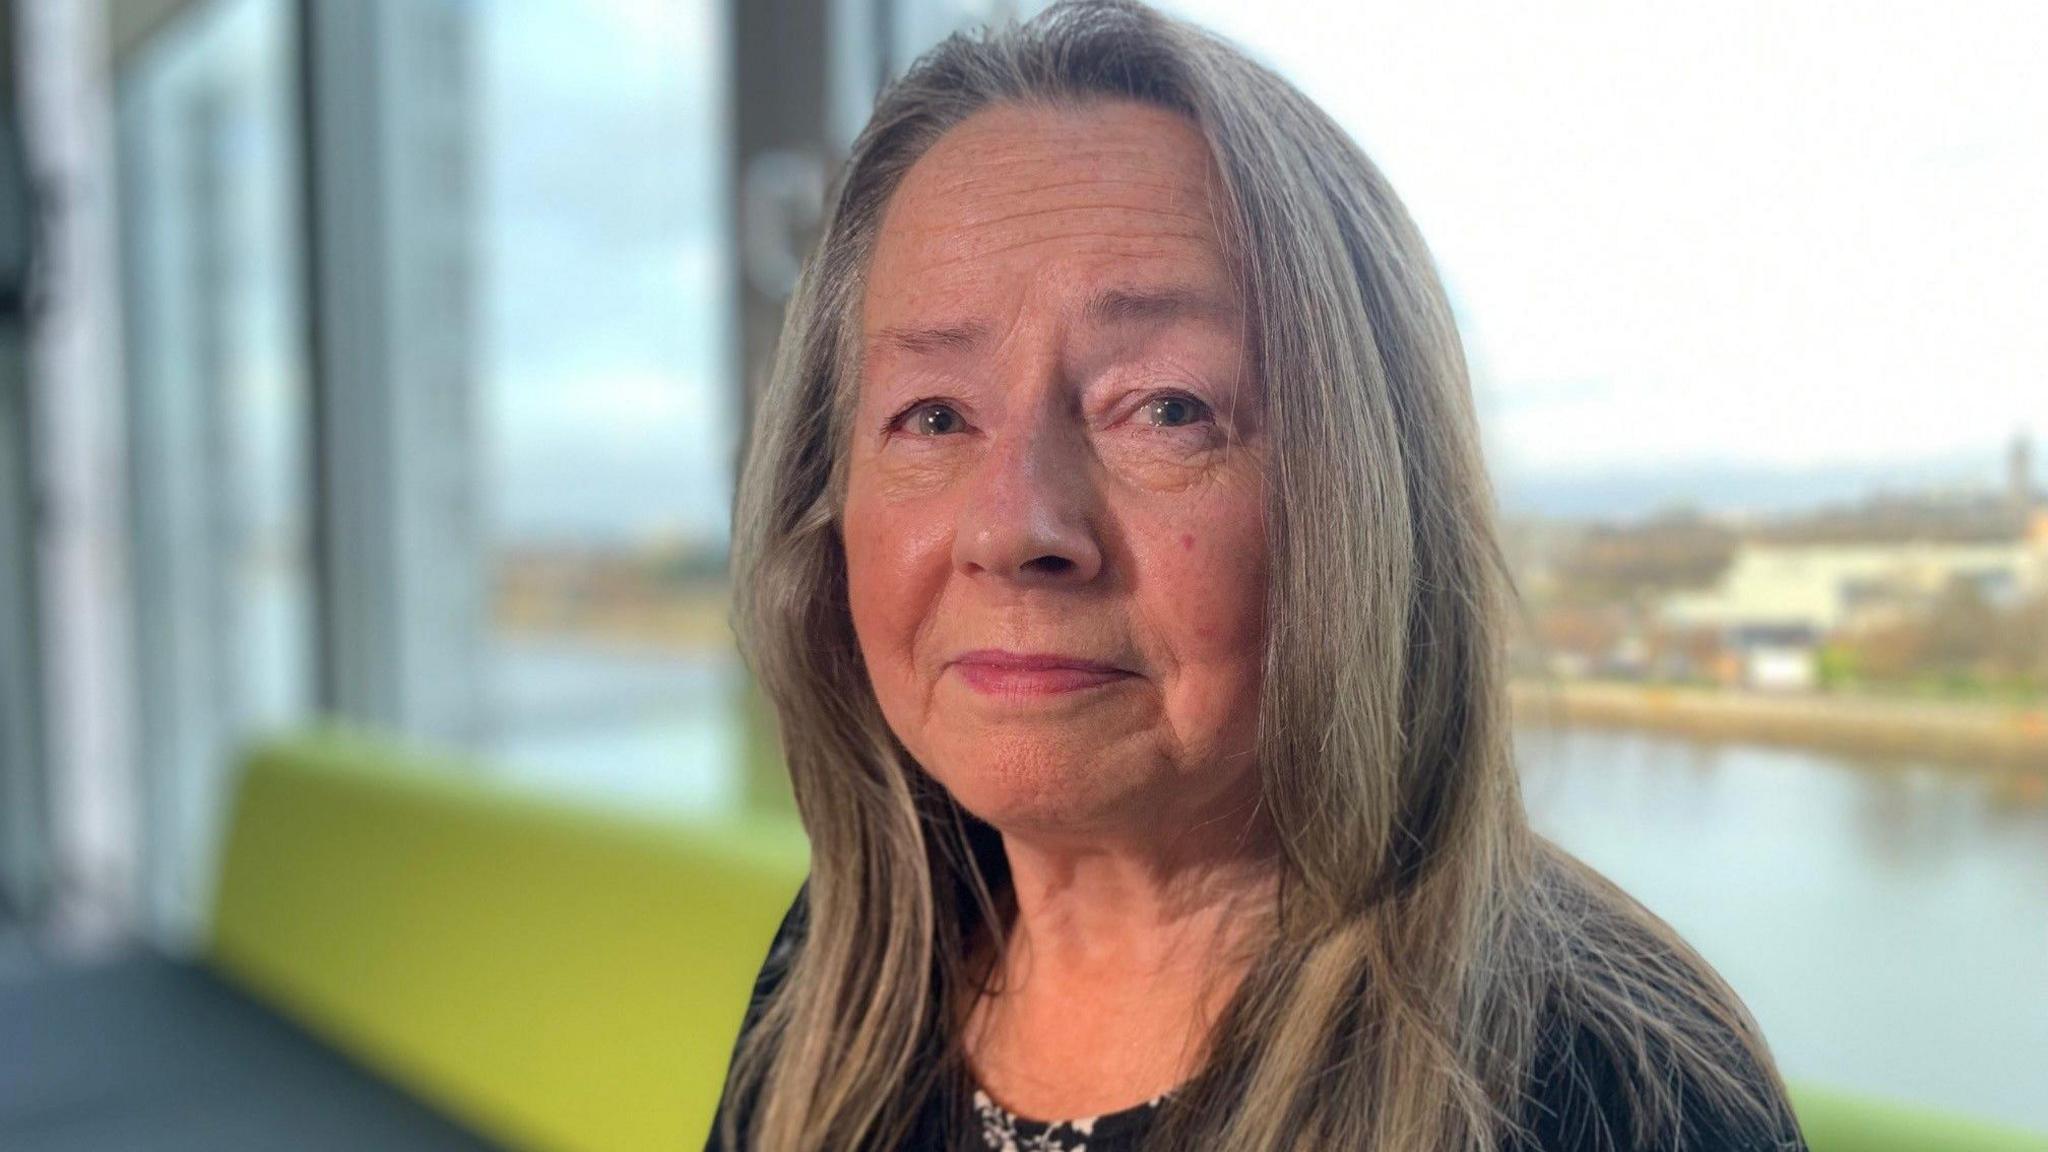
<point>1147,914</point>
<point>1120,958</point>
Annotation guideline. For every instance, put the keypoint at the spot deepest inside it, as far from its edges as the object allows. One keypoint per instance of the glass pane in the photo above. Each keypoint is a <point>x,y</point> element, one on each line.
<point>611,418</point>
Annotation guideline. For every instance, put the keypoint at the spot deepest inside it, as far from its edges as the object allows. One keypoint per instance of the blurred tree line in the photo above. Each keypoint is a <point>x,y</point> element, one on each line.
<point>1964,642</point>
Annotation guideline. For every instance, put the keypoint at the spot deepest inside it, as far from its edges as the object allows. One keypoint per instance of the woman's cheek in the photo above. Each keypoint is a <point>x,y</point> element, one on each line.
<point>1229,603</point>
<point>1216,579</point>
<point>896,563</point>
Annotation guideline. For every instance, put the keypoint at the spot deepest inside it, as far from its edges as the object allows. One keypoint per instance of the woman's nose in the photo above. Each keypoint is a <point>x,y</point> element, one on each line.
<point>1030,516</point>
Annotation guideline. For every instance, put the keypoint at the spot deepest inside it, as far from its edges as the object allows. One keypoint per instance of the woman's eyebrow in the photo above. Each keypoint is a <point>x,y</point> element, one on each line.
<point>1117,306</point>
<point>920,341</point>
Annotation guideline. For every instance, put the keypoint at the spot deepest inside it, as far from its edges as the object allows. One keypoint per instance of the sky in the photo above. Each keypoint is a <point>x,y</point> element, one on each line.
<point>604,356</point>
<point>1775,250</point>
<point>1758,235</point>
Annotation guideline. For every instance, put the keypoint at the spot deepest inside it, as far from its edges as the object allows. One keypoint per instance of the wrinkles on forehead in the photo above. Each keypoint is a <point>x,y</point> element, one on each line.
<point>1065,201</point>
<point>991,208</point>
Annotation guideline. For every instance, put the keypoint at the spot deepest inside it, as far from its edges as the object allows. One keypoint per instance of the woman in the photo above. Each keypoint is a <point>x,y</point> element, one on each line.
<point>1116,551</point>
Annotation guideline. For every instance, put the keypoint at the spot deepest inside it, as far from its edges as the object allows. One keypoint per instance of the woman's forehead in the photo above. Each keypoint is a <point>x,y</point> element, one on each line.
<point>1058,204</point>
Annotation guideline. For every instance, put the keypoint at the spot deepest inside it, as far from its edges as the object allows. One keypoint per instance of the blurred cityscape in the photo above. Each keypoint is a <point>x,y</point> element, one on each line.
<point>1939,592</point>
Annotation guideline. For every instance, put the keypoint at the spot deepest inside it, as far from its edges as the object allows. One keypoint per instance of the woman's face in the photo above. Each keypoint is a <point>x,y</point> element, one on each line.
<point>1054,526</point>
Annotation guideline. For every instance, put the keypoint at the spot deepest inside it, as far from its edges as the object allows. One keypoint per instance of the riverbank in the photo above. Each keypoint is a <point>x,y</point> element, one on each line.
<point>1982,736</point>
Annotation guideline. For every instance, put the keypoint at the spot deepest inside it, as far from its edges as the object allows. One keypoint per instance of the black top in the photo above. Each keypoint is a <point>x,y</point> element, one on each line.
<point>1576,1102</point>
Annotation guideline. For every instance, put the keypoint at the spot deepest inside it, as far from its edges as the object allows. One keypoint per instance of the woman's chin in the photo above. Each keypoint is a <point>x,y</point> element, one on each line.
<point>1040,797</point>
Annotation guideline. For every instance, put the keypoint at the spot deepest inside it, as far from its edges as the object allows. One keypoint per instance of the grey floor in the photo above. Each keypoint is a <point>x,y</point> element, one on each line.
<point>144,1054</point>
<point>18,955</point>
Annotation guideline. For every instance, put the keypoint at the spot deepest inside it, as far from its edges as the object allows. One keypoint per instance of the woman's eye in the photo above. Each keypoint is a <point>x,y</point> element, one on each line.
<point>933,420</point>
<point>1174,411</point>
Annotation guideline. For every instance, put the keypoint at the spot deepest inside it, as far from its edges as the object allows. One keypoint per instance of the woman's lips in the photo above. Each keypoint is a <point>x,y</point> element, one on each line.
<point>999,673</point>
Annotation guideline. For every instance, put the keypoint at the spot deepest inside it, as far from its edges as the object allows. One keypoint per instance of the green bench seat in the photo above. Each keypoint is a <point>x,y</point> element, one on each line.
<point>556,978</point>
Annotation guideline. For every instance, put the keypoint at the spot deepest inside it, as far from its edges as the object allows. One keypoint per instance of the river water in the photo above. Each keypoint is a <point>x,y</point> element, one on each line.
<point>1887,924</point>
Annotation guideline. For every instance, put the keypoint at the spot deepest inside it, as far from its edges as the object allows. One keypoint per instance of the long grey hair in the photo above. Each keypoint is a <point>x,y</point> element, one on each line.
<point>1426,939</point>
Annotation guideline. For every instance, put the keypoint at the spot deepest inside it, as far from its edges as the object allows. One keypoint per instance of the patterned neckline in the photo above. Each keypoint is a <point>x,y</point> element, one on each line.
<point>1004,1131</point>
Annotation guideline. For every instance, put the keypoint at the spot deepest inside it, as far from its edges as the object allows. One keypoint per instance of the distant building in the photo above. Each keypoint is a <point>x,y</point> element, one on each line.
<point>1754,603</point>
<point>1875,563</point>
<point>1776,659</point>
<point>1825,587</point>
<point>1777,602</point>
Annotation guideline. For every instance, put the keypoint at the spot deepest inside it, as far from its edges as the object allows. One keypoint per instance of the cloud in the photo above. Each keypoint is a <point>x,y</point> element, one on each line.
<point>1744,232</point>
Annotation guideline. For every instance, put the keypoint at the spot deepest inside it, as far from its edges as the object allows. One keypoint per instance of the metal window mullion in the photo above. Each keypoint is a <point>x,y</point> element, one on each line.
<point>24,793</point>
<point>396,567</point>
